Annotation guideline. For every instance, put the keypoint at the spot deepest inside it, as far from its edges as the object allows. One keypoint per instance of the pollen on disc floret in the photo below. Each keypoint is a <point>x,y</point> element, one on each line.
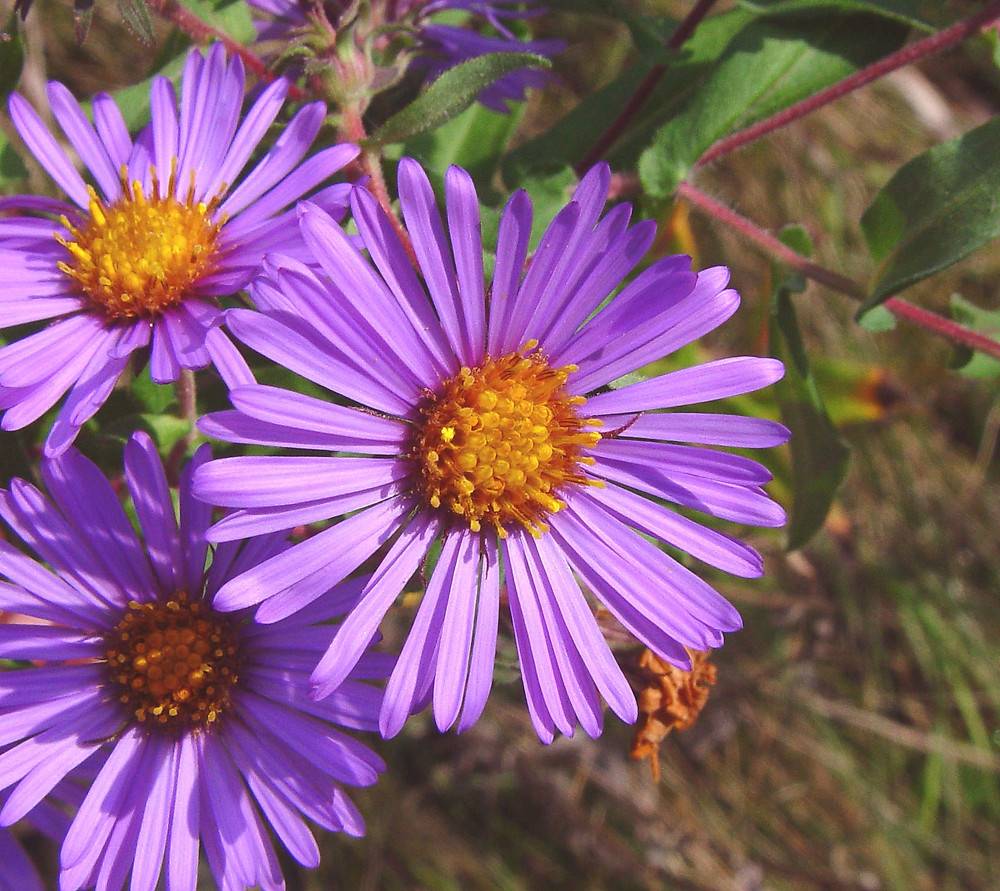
<point>141,255</point>
<point>497,442</point>
<point>174,661</point>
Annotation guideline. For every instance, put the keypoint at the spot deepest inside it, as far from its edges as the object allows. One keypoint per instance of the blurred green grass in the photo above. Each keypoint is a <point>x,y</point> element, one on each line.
<point>853,739</point>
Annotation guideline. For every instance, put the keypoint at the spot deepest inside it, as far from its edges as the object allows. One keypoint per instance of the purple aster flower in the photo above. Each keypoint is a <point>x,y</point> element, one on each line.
<point>204,718</point>
<point>145,255</point>
<point>17,871</point>
<point>439,46</point>
<point>486,421</point>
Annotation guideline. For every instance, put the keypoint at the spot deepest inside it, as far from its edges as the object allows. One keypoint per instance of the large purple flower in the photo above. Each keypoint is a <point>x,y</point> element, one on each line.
<point>171,226</point>
<point>440,46</point>
<point>204,718</point>
<point>487,421</point>
<point>17,871</point>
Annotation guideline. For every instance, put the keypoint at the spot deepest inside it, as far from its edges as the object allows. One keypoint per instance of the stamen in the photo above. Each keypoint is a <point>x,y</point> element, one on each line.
<point>141,255</point>
<point>499,441</point>
<point>175,662</point>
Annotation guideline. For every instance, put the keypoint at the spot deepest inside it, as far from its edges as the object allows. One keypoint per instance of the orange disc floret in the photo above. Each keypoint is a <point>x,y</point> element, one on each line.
<point>175,662</point>
<point>499,441</point>
<point>142,254</point>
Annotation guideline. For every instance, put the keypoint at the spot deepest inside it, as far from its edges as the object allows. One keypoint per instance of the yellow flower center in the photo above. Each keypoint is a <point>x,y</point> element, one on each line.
<point>499,441</point>
<point>175,662</point>
<point>141,255</point>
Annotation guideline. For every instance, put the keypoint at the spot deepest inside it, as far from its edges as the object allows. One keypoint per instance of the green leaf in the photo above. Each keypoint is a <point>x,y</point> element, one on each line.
<point>878,320</point>
<point>916,13</point>
<point>134,100</point>
<point>475,140</point>
<point>649,33</point>
<point>567,143</point>
<point>11,57</point>
<point>135,14</point>
<point>549,195</point>
<point>771,64</point>
<point>154,398</point>
<point>937,209</point>
<point>452,93</point>
<point>12,169</point>
<point>985,321</point>
<point>819,455</point>
<point>232,17</point>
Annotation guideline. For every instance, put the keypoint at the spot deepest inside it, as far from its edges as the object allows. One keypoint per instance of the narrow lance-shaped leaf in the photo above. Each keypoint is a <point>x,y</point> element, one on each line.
<point>771,64</point>
<point>135,14</point>
<point>819,455</point>
<point>937,209</point>
<point>452,93</point>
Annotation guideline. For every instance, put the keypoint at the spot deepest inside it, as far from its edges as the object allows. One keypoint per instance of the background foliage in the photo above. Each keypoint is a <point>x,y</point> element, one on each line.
<point>853,739</point>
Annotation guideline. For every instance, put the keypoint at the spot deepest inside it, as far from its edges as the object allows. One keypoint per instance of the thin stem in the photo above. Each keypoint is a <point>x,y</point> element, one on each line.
<point>610,136</point>
<point>186,390</point>
<point>353,130</point>
<point>921,49</point>
<point>187,400</point>
<point>900,308</point>
<point>201,31</point>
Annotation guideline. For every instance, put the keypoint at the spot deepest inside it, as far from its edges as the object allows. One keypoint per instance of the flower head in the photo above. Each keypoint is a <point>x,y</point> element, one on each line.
<point>142,255</point>
<point>199,721</point>
<point>486,420</point>
<point>439,46</point>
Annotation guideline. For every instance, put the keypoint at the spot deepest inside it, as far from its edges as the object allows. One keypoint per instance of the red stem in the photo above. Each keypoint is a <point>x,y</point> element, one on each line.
<point>610,136</point>
<point>949,37</point>
<point>202,32</point>
<point>353,130</point>
<point>896,305</point>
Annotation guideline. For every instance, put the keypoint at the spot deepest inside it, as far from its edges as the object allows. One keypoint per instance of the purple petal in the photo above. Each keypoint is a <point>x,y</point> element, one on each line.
<point>338,551</point>
<point>452,671</point>
<point>512,252</point>
<point>386,583</point>
<point>154,507</point>
<point>702,383</point>
<point>44,147</point>
<point>736,431</point>
<point>484,643</point>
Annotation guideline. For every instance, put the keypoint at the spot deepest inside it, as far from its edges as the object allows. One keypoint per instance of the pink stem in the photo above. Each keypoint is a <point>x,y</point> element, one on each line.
<point>610,136</point>
<point>353,130</point>
<point>202,32</point>
<point>897,306</point>
<point>949,37</point>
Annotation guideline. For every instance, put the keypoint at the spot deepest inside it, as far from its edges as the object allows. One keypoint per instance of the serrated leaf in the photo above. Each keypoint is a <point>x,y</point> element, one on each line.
<point>819,455</point>
<point>774,62</point>
<point>11,57</point>
<point>453,92</point>
<point>936,209</point>
<point>985,321</point>
<point>135,14</point>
